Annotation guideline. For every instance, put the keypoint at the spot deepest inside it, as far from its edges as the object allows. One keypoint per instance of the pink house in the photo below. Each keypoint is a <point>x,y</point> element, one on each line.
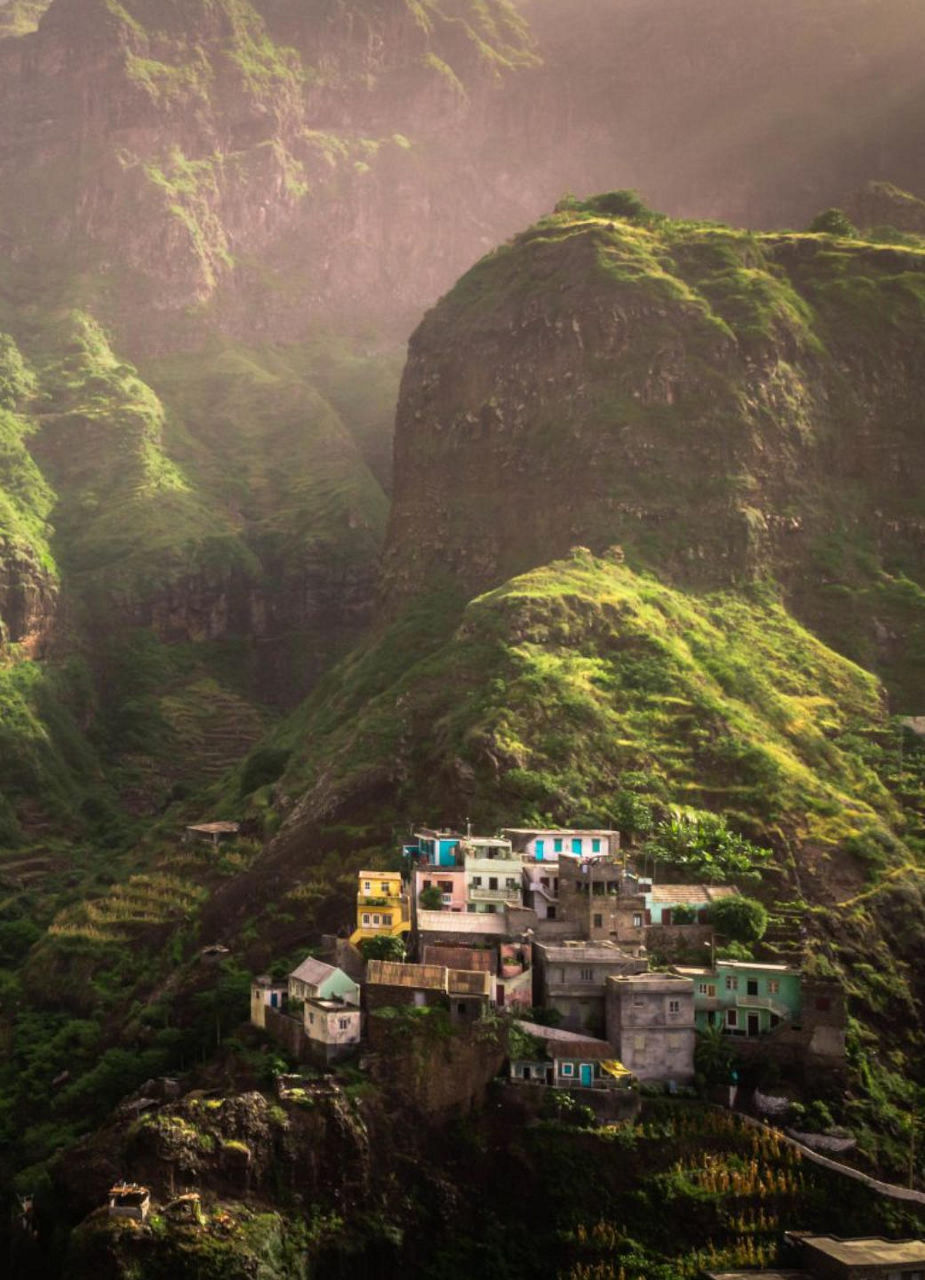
<point>450,882</point>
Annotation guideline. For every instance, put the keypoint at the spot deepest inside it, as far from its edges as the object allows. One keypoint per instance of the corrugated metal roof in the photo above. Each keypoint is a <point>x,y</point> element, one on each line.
<point>312,971</point>
<point>568,1044</point>
<point>473,958</point>
<point>216,828</point>
<point>392,973</point>
<point>868,1251</point>
<point>466,982</point>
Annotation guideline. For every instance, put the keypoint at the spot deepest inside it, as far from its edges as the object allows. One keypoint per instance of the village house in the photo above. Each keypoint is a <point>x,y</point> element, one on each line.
<point>315,980</point>
<point>509,963</point>
<point>541,888</point>
<point>465,993</point>
<point>447,881</point>
<point>570,978</point>
<point>475,928</point>
<point>540,844</point>
<point>744,997</point>
<point>833,1258</point>
<point>333,1028</point>
<point>493,872</point>
<point>382,906</point>
<point>266,994</point>
<point>567,1060</point>
<point>433,848</point>
<point>601,902</point>
<point>663,900</point>
<point>650,1024</point>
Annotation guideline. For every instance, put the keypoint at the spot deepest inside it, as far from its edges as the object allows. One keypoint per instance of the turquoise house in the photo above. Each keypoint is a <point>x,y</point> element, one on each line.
<point>436,848</point>
<point>744,998</point>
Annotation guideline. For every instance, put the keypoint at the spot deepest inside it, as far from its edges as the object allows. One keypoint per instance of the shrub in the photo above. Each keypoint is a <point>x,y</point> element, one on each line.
<point>834,222</point>
<point>382,948</point>
<point>263,767</point>
<point>739,919</point>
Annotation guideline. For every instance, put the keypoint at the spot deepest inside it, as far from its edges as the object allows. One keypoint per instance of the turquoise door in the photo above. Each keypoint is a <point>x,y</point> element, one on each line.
<point>576,844</point>
<point>586,1075</point>
<point>540,848</point>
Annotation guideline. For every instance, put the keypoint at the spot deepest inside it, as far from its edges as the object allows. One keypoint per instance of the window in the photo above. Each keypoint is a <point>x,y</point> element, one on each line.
<point>586,975</point>
<point>367,886</point>
<point>706,989</point>
<point>595,846</point>
<point>385,889</point>
<point>639,1043</point>
<point>366,918</point>
<point>426,884</point>
<point>751,986</point>
<point>343,1023</point>
<point>576,844</point>
<point>476,882</point>
<point>544,881</point>
<point>674,1006</point>
<point>732,984</point>
<point>550,913</point>
<point>387,920</point>
<point>492,882</point>
<point>638,1002</point>
<point>311,1019</point>
<point>568,1068</point>
<point>637,919</point>
<point>773,987</point>
<point>557,846</point>
<point>732,1018</point>
<point>823,1004</point>
<point>511,882</point>
<point>598,922</point>
<point>375,919</point>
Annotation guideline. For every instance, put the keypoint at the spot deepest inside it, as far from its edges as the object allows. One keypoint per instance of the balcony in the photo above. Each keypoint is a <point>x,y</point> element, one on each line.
<point>762,1002</point>
<point>494,895</point>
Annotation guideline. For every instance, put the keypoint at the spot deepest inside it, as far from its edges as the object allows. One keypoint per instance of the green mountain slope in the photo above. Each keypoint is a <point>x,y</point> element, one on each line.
<point>729,407</point>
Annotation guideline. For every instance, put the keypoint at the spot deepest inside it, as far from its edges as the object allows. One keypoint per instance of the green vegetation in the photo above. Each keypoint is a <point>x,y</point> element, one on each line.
<point>833,222</point>
<point>739,919</point>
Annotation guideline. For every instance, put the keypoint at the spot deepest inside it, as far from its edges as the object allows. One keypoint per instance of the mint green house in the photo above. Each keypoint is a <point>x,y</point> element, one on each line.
<point>744,998</point>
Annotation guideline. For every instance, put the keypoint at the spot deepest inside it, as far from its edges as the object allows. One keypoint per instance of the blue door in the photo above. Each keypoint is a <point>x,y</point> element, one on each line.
<point>540,848</point>
<point>586,1075</point>
<point>576,844</point>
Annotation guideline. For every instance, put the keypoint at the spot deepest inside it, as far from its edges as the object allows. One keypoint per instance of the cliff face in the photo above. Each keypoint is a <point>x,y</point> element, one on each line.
<point>725,406</point>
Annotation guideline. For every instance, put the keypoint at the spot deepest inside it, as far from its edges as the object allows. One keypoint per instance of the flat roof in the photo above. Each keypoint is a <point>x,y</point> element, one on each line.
<point>577,951</point>
<point>462,922</point>
<point>216,828</point>
<point>755,964</point>
<point>331,1006</point>
<point>655,979</point>
<point>560,831</point>
<point>759,1275</point>
<point>379,875</point>
<point>868,1251</point>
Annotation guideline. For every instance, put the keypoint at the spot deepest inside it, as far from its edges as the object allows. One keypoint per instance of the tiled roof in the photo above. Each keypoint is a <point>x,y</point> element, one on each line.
<point>312,971</point>
<point>682,894</point>
<point>565,1044</point>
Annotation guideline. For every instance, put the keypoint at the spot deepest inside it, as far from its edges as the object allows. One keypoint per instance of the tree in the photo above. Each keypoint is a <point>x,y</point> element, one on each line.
<point>739,919</point>
<point>713,1055</point>
<point>431,898</point>
<point>704,845</point>
<point>834,222</point>
<point>385,948</point>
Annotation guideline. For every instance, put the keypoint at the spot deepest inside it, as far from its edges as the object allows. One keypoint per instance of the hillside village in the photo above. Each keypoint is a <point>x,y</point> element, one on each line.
<point>604,977</point>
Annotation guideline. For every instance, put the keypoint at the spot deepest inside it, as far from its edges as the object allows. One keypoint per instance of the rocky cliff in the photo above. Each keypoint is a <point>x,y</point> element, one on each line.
<point>728,407</point>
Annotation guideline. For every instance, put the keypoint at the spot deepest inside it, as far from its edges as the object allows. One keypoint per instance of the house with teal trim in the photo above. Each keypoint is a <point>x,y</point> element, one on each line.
<point>315,980</point>
<point>568,1060</point>
<point>744,998</point>
<point>540,844</point>
<point>434,848</point>
<point>662,900</point>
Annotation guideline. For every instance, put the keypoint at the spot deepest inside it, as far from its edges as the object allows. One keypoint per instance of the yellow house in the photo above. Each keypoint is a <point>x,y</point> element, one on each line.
<point>382,906</point>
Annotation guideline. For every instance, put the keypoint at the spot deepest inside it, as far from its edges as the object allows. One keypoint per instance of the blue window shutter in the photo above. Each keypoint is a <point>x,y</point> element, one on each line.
<point>576,844</point>
<point>595,846</point>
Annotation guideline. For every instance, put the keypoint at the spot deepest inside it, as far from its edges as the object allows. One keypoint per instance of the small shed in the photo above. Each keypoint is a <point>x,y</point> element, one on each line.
<point>211,832</point>
<point>129,1200</point>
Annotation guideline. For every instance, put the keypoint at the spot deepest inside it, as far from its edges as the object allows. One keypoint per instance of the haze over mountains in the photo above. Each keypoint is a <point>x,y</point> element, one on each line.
<point>651,534</point>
